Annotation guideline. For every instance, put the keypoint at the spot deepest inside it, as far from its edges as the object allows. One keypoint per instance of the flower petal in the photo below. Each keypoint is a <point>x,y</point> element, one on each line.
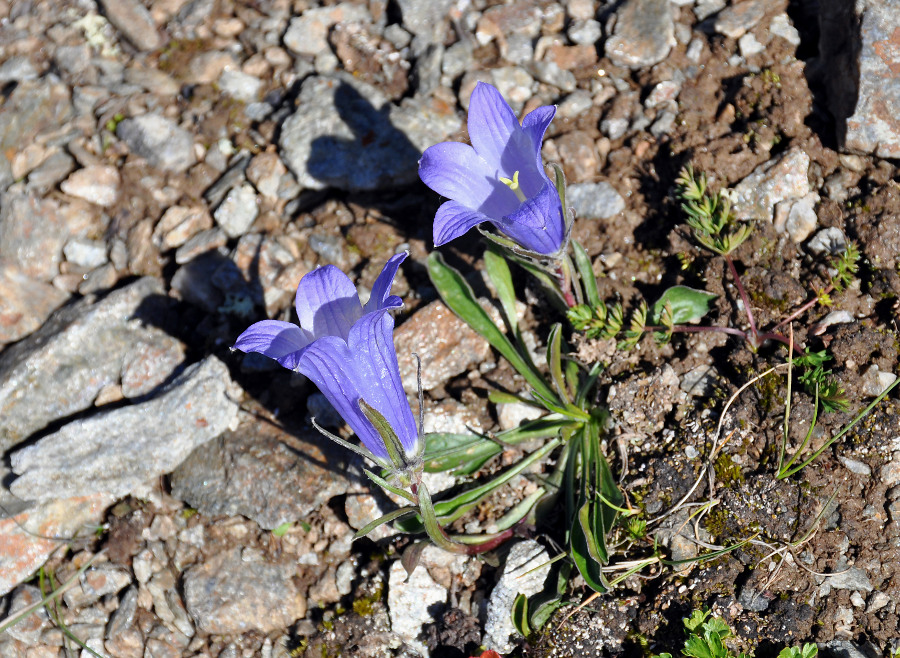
<point>282,341</point>
<point>495,132</point>
<point>453,219</point>
<point>455,171</point>
<point>372,344</point>
<point>380,297</point>
<point>535,124</point>
<point>331,366</point>
<point>538,224</point>
<point>327,303</point>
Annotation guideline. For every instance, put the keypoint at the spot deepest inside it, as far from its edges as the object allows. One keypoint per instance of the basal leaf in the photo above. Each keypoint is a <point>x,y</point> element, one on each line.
<point>687,305</point>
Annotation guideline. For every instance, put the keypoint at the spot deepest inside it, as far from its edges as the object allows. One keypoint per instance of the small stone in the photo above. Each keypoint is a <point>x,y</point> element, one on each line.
<point>96,582</point>
<point>24,306</point>
<point>749,46</point>
<point>457,59</point>
<point>29,629</point>
<point>734,21</point>
<point>575,104</point>
<point>780,26</point>
<point>877,601</point>
<point>512,414</point>
<point>777,180</point>
<point>225,595</point>
<point>643,35</point>
<point>890,473</point>
<point>700,381</point>
<point>855,466</point>
<point>17,69</point>
<point>307,34</point>
<point>585,32</point>
<point>133,20</point>
<point>514,84</point>
<point>853,578</point>
<point>98,184</point>
<point>706,8</point>
<point>203,242</point>
<point>829,241</point>
<point>207,66</point>
<point>85,253</point>
<point>875,381</point>
<point>665,92</point>
<point>236,214</point>
<point>240,86</point>
<point>550,73</point>
<point>525,571</point>
<point>594,200</point>
<point>802,218</point>
<point>179,224</point>
<point>159,140</point>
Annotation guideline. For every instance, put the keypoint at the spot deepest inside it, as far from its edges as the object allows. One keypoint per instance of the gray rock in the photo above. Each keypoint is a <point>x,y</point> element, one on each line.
<point>413,599</point>
<point>24,547</point>
<point>525,571</point>
<point>159,140</point>
<point>585,32</point>
<point>859,68</point>
<point>594,200</point>
<point>307,34</point>
<point>29,630</point>
<point>97,581</point>
<point>575,104</point>
<point>236,214</point>
<point>51,172</point>
<point>32,234</point>
<point>780,179</point>
<point>829,240</point>
<point>550,73</point>
<point>749,45</point>
<point>117,451</point>
<point>875,381</point>
<point>735,20</point>
<point>345,134</point>
<point>706,8</point>
<point>451,348</point>
<point>81,349</point>
<point>700,381</point>
<point>802,218</point>
<point>846,649</point>
<point>457,59</point>
<point>226,595</point>
<point>17,69</point>
<point>133,20</point>
<point>853,578</point>
<point>25,304</point>
<point>123,617</point>
<point>85,253</point>
<point>33,107</point>
<point>427,70</point>
<point>262,472</point>
<point>239,85</point>
<point>426,18</point>
<point>855,466</point>
<point>644,33</point>
<point>781,27</point>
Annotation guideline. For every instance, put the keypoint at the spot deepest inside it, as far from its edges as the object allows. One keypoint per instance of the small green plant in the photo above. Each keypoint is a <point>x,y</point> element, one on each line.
<point>707,638</point>
<point>716,228</point>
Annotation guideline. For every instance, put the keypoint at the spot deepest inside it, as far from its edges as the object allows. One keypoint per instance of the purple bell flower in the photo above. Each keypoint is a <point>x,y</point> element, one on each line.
<point>499,179</point>
<point>346,349</point>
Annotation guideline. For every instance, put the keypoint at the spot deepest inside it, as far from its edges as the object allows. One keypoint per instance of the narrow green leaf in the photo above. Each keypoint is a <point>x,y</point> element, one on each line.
<point>451,509</point>
<point>387,486</point>
<point>394,515</point>
<point>498,270</point>
<point>458,296</point>
<point>588,567</point>
<point>586,273</point>
<point>687,305</point>
<point>520,615</point>
<point>502,397</point>
<point>461,453</point>
<point>554,362</point>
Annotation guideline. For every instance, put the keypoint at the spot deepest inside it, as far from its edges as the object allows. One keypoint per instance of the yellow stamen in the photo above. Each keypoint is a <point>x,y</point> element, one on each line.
<point>514,186</point>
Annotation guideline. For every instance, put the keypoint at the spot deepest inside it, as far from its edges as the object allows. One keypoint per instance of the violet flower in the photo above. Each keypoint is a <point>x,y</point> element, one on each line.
<point>346,349</point>
<point>499,179</point>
